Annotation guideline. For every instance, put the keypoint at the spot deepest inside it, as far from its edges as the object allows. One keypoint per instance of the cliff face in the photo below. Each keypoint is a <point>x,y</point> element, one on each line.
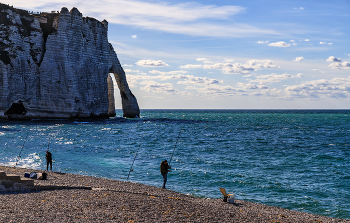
<point>57,65</point>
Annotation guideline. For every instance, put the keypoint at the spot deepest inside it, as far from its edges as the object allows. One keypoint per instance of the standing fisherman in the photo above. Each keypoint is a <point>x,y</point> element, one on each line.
<point>48,160</point>
<point>164,169</point>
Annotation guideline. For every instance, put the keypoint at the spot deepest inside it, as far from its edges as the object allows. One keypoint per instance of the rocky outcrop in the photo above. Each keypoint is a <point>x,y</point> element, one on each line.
<point>57,65</point>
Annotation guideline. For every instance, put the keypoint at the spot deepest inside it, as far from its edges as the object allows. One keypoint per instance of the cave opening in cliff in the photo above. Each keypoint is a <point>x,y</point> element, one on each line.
<point>17,108</point>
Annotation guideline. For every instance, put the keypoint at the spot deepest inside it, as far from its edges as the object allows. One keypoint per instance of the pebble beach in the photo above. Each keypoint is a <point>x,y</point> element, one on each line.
<point>67,197</point>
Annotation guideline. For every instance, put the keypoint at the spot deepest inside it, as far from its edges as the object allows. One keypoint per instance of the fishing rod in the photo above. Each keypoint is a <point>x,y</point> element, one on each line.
<point>19,155</point>
<point>48,145</point>
<point>175,146</point>
<point>134,158</point>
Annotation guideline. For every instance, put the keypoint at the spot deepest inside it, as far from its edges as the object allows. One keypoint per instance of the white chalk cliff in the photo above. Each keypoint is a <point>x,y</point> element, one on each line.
<point>57,65</point>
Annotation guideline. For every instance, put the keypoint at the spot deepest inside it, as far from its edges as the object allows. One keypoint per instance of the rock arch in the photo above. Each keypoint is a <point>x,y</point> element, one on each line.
<point>58,65</point>
<point>129,102</point>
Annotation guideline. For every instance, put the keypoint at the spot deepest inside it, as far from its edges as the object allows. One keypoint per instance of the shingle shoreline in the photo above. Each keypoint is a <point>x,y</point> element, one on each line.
<point>67,197</point>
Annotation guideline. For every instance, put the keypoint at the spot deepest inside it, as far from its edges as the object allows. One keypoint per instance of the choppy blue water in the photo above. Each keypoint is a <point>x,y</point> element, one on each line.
<point>295,159</point>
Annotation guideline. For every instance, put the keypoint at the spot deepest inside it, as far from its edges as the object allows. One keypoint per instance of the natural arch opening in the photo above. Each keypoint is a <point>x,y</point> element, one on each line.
<point>111,97</point>
<point>117,98</point>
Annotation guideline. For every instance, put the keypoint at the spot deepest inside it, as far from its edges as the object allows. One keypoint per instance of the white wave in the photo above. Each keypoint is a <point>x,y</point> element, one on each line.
<point>32,161</point>
<point>105,129</point>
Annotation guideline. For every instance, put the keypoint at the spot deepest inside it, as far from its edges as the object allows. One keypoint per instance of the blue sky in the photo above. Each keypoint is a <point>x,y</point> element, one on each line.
<point>267,54</point>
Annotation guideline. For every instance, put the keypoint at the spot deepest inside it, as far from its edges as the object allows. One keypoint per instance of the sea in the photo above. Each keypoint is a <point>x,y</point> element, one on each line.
<point>294,159</point>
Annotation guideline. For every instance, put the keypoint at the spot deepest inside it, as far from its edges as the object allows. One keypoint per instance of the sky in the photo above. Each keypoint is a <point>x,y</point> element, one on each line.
<point>205,54</point>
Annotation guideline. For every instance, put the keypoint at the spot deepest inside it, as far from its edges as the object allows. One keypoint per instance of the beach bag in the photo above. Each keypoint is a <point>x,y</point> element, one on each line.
<point>231,200</point>
<point>42,176</point>
<point>33,175</point>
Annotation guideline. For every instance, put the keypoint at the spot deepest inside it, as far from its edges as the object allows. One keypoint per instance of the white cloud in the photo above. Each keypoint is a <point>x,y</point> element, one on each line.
<point>202,59</point>
<point>134,36</point>
<point>306,40</point>
<point>263,79</point>
<point>279,44</point>
<point>272,93</point>
<point>238,68</point>
<point>132,80</point>
<point>300,75</point>
<point>127,65</point>
<point>319,70</point>
<point>191,66</point>
<point>174,75</point>
<point>294,44</point>
<point>250,86</point>
<point>144,10</point>
<point>128,71</point>
<point>168,72</point>
<point>153,86</point>
<point>333,59</point>
<point>187,79</point>
<point>293,41</point>
<point>131,71</point>
<point>187,18</point>
<point>200,84</point>
<point>323,43</point>
<point>151,63</point>
<point>144,76</point>
<point>300,8</point>
<point>334,88</point>
<point>262,42</point>
<point>216,90</point>
<point>262,64</point>
<point>297,59</point>
<point>338,63</point>
<point>192,80</point>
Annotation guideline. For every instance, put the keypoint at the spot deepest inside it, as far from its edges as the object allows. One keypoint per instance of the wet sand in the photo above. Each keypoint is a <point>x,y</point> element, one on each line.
<point>67,197</point>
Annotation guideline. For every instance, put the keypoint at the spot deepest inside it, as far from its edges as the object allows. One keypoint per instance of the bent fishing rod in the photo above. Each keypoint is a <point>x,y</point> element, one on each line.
<point>135,158</point>
<point>19,155</point>
<point>48,145</point>
<point>175,146</point>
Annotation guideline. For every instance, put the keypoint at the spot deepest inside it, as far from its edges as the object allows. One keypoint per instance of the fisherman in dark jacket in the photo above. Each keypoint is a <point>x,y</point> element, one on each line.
<point>164,169</point>
<point>48,160</point>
